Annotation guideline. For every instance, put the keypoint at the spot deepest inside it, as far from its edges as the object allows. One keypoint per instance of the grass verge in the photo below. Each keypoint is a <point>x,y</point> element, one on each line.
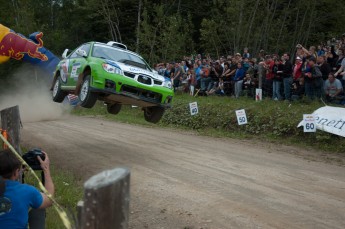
<point>68,192</point>
<point>268,120</point>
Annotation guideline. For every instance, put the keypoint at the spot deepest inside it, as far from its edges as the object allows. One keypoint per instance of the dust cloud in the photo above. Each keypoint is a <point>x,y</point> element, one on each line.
<point>29,89</point>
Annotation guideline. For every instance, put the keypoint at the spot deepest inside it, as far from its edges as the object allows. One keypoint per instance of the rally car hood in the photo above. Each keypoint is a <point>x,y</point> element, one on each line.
<point>136,70</point>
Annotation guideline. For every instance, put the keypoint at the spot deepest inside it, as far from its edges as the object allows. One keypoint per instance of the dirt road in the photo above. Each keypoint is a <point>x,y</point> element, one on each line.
<point>179,180</point>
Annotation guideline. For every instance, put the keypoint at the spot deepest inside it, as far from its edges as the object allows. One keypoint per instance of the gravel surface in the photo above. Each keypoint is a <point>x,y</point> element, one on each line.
<point>181,180</point>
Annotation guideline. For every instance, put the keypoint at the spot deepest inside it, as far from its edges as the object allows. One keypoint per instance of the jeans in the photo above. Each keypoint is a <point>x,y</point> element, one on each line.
<point>205,83</point>
<point>276,89</point>
<point>287,87</point>
<point>309,89</point>
<point>238,88</point>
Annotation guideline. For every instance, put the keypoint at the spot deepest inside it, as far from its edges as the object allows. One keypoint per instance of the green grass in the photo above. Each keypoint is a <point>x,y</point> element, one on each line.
<point>68,191</point>
<point>268,120</point>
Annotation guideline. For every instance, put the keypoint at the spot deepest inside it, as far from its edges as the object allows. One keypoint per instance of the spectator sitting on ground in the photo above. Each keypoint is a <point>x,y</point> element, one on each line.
<point>22,197</point>
<point>297,90</point>
<point>248,85</point>
<point>333,89</point>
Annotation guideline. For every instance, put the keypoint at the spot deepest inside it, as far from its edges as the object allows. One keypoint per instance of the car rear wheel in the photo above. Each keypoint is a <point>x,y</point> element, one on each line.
<point>153,114</point>
<point>86,96</point>
<point>58,94</point>
<point>114,108</point>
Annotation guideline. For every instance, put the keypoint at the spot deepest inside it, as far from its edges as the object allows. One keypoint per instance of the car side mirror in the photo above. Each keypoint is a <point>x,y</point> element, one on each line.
<point>81,52</point>
<point>64,54</point>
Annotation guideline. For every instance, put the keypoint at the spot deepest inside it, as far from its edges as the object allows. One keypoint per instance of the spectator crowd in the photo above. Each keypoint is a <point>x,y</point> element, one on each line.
<point>315,73</point>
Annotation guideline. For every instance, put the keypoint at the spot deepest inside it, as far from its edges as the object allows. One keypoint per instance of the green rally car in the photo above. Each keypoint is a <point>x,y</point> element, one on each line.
<point>109,72</point>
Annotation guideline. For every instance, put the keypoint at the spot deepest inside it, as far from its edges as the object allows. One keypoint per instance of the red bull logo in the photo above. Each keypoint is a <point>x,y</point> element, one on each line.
<point>16,46</point>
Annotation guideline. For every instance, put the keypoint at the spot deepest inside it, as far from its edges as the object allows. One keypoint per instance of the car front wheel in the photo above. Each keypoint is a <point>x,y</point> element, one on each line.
<point>58,94</point>
<point>114,108</point>
<point>86,96</point>
<point>153,114</point>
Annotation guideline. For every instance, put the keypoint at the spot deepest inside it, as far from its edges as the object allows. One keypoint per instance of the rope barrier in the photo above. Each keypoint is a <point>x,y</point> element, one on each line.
<point>61,212</point>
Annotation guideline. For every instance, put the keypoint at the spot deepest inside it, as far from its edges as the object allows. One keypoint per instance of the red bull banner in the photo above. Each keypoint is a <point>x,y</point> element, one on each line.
<point>17,46</point>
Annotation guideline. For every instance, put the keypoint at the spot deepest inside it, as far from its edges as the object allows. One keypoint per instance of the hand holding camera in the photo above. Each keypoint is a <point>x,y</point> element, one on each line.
<point>37,159</point>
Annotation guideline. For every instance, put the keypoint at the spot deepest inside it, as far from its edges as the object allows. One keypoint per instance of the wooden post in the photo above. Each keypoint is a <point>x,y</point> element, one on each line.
<point>106,200</point>
<point>10,121</point>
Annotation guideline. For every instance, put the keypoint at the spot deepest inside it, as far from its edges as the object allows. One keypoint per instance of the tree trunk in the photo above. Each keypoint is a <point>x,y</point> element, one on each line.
<point>282,26</point>
<point>138,26</point>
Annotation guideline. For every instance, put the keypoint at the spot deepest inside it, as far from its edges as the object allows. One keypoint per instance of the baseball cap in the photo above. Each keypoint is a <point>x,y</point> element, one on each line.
<point>312,59</point>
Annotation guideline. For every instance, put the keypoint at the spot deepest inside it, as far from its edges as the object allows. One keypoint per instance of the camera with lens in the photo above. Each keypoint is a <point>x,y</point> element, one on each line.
<point>31,159</point>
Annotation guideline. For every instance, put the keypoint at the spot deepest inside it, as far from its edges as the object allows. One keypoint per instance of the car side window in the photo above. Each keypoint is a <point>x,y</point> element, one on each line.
<point>85,47</point>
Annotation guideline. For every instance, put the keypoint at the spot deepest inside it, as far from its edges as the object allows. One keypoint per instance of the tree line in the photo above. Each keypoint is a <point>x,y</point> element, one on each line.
<point>166,30</point>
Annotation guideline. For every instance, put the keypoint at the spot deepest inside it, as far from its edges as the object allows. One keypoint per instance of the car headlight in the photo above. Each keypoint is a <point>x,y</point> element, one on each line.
<point>112,69</point>
<point>167,83</point>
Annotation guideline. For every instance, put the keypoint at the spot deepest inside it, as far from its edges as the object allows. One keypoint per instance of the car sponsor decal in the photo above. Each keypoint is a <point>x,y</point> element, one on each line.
<point>64,71</point>
<point>74,72</point>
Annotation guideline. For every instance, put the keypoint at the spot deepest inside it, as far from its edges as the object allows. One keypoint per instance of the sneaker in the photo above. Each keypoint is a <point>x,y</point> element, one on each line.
<point>275,99</point>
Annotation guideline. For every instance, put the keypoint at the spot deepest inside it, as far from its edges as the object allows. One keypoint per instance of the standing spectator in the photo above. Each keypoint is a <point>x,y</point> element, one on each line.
<point>167,72</point>
<point>192,81</point>
<point>178,74</point>
<point>238,79</point>
<point>320,51</point>
<point>325,68</point>
<point>198,71</point>
<point>206,80</point>
<point>297,69</point>
<point>277,79</point>
<point>287,76</point>
<point>333,88</point>
<point>246,53</point>
<point>341,71</point>
<point>339,59</point>
<point>268,82</point>
<point>261,56</point>
<point>313,79</point>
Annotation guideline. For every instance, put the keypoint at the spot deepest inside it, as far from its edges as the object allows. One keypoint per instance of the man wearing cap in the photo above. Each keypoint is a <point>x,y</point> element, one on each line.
<point>313,79</point>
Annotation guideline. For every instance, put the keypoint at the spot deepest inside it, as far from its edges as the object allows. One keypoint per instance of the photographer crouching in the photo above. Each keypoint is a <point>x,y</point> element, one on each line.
<point>16,198</point>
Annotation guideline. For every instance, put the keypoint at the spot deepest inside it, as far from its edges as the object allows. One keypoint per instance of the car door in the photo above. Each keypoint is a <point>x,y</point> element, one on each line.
<point>76,64</point>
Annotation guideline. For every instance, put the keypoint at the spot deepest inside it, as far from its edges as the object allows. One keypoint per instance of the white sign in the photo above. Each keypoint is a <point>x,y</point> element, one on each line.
<point>309,123</point>
<point>258,94</point>
<point>241,117</point>
<point>329,119</point>
<point>193,108</point>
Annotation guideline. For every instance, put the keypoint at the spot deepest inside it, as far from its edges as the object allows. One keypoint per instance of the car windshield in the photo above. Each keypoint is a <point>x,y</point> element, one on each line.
<point>105,52</point>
